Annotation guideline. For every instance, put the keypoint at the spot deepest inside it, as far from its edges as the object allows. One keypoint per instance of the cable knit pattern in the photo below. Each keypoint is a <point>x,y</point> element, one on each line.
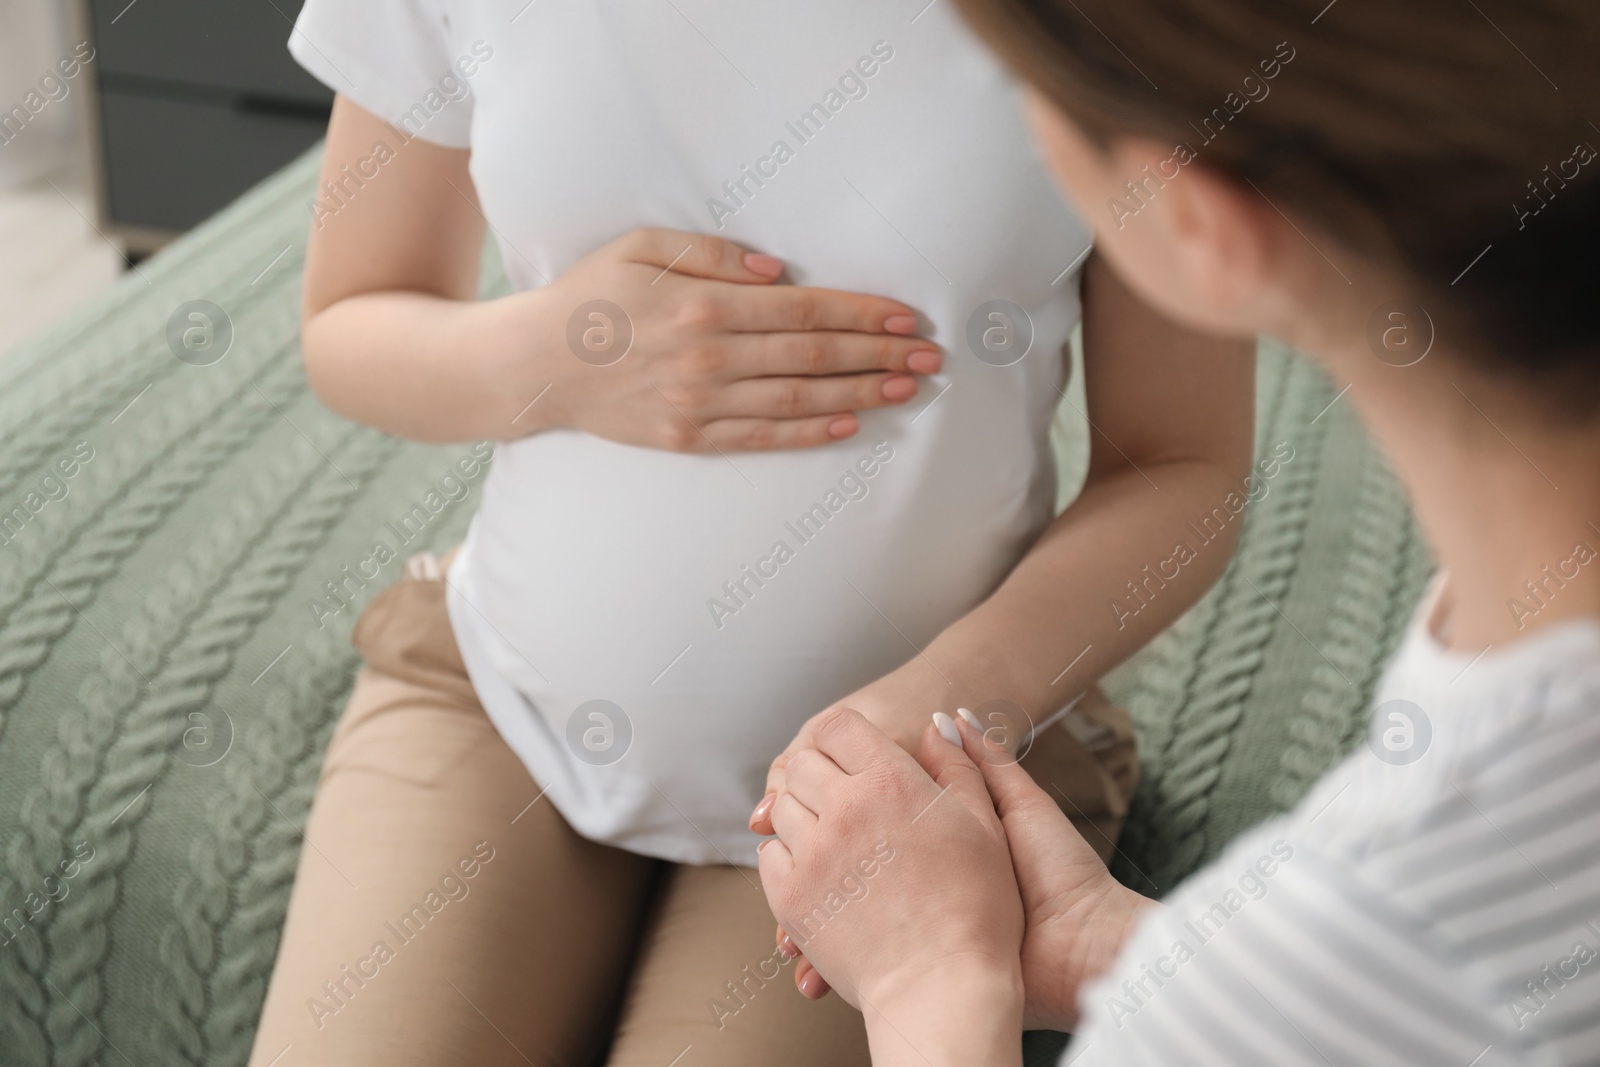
<point>275,773</point>
<point>272,783</point>
<point>140,486</point>
<point>178,646</point>
<point>170,586</point>
<point>1163,679</point>
<point>255,578</point>
<point>69,398</point>
<point>1373,598</point>
<point>300,729</point>
<point>1244,618</point>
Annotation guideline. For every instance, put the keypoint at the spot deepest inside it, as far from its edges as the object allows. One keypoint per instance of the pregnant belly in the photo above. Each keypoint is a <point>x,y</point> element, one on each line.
<point>717,605</point>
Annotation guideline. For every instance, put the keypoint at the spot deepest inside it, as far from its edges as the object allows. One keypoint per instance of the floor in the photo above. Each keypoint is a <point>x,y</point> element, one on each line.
<point>51,257</point>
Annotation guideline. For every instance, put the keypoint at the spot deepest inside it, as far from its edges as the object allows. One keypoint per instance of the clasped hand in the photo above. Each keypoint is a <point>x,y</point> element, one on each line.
<point>897,876</point>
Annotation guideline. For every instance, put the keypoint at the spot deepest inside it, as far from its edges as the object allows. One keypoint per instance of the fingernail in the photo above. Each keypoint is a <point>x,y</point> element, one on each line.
<point>763,807</point>
<point>764,843</point>
<point>809,984</point>
<point>899,388</point>
<point>947,728</point>
<point>970,719</point>
<point>843,426</point>
<point>924,361</point>
<point>787,946</point>
<point>766,266</point>
<point>900,324</point>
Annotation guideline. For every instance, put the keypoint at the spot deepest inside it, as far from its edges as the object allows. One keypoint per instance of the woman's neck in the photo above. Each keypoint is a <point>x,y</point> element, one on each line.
<point>1508,497</point>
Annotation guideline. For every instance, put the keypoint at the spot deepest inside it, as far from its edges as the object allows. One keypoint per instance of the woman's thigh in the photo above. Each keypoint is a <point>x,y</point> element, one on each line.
<point>711,990</point>
<point>441,912</point>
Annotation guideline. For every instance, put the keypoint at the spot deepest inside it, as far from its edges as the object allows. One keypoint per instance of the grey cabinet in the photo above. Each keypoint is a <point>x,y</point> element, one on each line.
<point>196,101</point>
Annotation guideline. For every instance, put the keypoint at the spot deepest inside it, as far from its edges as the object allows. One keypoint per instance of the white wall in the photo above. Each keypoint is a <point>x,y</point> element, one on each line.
<point>33,40</point>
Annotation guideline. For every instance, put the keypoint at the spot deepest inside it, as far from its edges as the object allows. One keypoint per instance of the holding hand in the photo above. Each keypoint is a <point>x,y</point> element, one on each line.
<point>719,356</point>
<point>942,914</point>
<point>884,703</point>
<point>1076,915</point>
<point>887,703</point>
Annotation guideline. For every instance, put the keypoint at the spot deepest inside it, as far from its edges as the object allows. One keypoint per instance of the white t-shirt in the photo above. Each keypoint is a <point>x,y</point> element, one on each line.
<point>715,602</point>
<point>1433,902</point>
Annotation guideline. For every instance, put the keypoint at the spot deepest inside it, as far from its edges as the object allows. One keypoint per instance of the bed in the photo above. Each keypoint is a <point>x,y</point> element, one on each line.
<point>175,617</point>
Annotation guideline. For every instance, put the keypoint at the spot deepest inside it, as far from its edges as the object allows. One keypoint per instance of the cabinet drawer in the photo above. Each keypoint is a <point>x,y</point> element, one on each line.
<point>170,164</point>
<point>229,47</point>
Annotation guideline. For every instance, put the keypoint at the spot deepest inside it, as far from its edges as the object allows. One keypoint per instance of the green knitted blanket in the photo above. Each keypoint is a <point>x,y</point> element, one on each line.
<point>182,551</point>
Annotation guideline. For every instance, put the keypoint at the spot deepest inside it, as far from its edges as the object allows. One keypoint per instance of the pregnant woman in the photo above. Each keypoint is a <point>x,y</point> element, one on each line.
<point>773,395</point>
<point>1435,899</point>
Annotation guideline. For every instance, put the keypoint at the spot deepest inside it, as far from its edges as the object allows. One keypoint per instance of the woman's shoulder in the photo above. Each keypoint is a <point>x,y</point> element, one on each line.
<point>1457,737</point>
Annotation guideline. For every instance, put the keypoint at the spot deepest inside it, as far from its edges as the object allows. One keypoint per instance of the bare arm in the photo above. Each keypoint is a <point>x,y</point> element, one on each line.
<point>391,334</point>
<point>1173,433</point>
<point>720,357</point>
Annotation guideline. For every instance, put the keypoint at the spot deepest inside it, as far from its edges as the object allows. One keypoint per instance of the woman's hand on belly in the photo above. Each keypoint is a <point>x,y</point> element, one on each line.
<point>661,339</point>
<point>682,342</point>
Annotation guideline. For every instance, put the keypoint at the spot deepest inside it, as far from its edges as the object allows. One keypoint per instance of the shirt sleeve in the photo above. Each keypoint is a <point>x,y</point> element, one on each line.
<point>396,58</point>
<point>1275,956</point>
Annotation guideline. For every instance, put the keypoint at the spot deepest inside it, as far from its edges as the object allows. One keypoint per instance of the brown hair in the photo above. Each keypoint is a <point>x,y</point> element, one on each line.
<point>1419,131</point>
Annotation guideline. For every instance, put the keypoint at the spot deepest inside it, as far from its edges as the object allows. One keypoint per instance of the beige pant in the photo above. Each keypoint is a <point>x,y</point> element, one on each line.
<point>443,914</point>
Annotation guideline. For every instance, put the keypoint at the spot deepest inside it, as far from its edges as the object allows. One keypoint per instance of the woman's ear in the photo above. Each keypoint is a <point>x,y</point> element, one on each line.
<point>1195,245</point>
<point>1216,245</point>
